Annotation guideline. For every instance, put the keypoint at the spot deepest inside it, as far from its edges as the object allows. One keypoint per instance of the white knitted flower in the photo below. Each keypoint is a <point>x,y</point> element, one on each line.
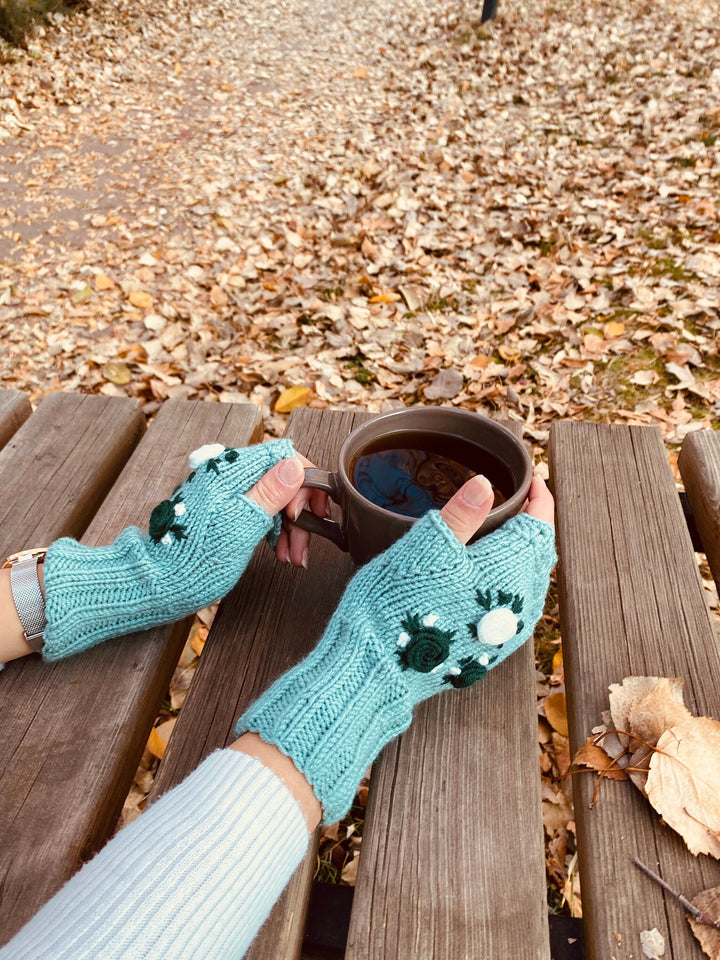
<point>497,627</point>
<point>204,453</point>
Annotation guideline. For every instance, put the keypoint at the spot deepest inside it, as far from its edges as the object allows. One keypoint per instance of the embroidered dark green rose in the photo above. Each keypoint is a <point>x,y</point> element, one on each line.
<point>469,671</point>
<point>164,521</point>
<point>422,646</point>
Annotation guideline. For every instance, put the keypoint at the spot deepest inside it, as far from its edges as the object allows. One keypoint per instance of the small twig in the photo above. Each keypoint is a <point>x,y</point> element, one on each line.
<point>699,915</point>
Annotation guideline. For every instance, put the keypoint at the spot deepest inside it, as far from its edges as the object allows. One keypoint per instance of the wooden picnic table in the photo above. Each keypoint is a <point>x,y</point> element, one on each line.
<point>452,864</point>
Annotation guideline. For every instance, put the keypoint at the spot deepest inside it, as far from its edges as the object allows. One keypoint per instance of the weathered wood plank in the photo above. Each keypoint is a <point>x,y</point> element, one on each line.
<point>272,619</point>
<point>700,469</point>
<point>453,863</point>
<point>73,731</point>
<point>631,602</point>
<point>14,410</point>
<point>59,466</point>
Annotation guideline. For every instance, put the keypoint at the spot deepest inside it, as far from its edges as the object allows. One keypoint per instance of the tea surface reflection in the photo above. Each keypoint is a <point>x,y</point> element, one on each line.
<point>409,480</point>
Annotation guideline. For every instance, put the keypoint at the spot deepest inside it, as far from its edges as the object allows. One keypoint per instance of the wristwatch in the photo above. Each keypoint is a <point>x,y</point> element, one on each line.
<point>27,595</point>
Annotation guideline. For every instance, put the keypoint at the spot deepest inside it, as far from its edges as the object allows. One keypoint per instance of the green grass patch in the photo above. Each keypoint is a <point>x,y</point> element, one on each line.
<point>652,240</point>
<point>17,18</point>
<point>666,267</point>
<point>330,294</point>
<point>441,303</point>
<point>616,376</point>
<point>359,371</point>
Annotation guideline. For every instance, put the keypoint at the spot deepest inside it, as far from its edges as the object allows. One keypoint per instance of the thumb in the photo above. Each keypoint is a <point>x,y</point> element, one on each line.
<point>278,486</point>
<point>466,511</point>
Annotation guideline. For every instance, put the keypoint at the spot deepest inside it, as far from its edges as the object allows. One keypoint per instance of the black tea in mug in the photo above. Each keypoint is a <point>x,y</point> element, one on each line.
<point>412,472</point>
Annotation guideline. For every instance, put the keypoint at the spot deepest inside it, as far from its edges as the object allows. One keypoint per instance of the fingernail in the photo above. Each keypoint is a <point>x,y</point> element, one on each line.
<point>289,472</point>
<point>305,558</point>
<point>478,491</point>
<point>296,512</point>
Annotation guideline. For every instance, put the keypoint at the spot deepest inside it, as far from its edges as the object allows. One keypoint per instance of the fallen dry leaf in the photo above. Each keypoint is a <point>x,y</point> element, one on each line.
<point>670,756</point>
<point>180,685</point>
<point>614,328</point>
<point>652,943</point>
<point>708,937</point>
<point>117,373</point>
<point>103,282</point>
<point>141,299</point>
<point>349,873</point>
<point>446,385</point>
<point>592,756</point>
<point>684,782</point>
<point>291,398</point>
<point>625,695</point>
<point>557,810</point>
<point>655,711</point>
<point>155,744</point>
<point>556,712</point>
<point>82,295</point>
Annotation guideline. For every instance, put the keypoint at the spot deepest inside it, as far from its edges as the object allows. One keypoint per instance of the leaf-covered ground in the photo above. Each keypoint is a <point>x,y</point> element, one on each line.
<point>380,201</point>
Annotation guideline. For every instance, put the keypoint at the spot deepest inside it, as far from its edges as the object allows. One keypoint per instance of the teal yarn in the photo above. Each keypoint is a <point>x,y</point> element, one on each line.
<point>427,615</point>
<point>198,544</point>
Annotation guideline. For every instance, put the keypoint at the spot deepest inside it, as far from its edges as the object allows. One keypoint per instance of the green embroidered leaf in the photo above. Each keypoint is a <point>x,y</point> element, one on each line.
<point>484,598</point>
<point>411,623</point>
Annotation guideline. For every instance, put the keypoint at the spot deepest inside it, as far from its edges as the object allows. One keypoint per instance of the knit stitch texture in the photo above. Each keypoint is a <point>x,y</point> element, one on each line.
<point>198,545</point>
<point>427,614</point>
<point>193,878</point>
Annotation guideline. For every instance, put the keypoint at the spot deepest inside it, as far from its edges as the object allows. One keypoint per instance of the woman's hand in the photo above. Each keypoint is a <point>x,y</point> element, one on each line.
<point>272,493</point>
<point>466,511</point>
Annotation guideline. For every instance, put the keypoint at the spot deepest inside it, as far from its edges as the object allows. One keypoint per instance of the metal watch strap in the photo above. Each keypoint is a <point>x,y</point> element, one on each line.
<point>29,601</point>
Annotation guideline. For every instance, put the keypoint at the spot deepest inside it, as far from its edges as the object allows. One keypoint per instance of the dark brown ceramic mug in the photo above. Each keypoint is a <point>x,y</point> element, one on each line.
<point>366,528</point>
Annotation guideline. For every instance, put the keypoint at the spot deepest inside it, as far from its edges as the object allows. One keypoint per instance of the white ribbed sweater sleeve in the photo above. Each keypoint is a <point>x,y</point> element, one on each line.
<point>193,878</point>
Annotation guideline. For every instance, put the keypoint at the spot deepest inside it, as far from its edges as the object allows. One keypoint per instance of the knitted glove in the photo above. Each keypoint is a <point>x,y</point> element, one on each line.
<point>197,547</point>
<point>426,615</point>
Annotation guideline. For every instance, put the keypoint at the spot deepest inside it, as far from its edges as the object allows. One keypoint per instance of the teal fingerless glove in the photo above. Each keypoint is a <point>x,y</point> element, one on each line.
<point>426,615</point>
<point>197,547</point>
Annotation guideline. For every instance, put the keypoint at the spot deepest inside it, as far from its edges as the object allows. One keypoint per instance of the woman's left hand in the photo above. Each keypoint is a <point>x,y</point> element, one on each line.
<point>280,490</point>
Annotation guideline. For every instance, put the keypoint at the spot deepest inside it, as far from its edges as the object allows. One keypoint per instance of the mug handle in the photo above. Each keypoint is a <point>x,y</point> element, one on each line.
<point>323,480</point>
